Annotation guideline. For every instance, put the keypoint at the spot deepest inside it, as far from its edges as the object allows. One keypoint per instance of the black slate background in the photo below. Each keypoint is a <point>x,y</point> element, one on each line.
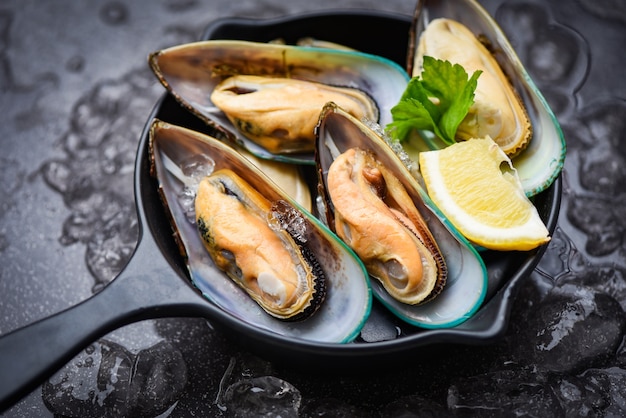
<point>75,94</point>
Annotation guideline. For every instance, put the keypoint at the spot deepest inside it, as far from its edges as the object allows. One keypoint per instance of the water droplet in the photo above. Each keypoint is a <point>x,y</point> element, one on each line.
<point>114,13</point>
<point>76,64</point>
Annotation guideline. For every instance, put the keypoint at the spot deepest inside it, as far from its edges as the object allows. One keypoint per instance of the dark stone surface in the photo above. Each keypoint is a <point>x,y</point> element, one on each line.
<point>75,94</point>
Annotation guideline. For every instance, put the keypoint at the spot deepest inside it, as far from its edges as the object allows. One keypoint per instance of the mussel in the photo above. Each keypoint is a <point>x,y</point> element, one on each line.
<point>508,104</point>
<point>197,174</point>
<point>497,111</point>
<point>378,196</point>
<point>198,74</point>
<point>376,217</point>
<point>254,242</point>
<point>280,113</point>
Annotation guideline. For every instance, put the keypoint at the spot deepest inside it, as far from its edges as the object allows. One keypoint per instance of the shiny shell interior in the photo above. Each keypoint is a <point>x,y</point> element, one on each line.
<point>542,160</point>
<point>191,72</point>
<point>466,284</point>
<point>180,158</point>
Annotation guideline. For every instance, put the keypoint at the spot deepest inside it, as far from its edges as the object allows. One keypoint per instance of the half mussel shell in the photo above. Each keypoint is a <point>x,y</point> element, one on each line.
<point>466,283</point>
<point>180,159</point>
<point>192,72</point>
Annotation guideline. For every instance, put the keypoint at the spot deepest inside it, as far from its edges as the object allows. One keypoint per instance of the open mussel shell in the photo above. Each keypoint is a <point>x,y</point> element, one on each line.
<point>190,72</point>
<point>466,284</point>
<point>540,163</point>
<point>179,156</point>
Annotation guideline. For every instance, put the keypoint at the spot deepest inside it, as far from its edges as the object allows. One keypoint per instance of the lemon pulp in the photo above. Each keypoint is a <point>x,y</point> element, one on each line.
<point>475,185</point>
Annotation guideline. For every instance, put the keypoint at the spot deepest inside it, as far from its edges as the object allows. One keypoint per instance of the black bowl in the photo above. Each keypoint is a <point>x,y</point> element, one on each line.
<point>384,339</point>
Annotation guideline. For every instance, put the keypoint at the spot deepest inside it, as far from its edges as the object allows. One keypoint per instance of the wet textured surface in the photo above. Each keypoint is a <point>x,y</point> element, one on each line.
<point>76,92</point>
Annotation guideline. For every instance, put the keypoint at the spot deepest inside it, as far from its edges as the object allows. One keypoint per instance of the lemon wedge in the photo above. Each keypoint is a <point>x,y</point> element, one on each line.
<point>475,185</point>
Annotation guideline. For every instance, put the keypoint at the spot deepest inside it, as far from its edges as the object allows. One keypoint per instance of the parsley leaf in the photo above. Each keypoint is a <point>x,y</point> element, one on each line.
<point>436,101</point>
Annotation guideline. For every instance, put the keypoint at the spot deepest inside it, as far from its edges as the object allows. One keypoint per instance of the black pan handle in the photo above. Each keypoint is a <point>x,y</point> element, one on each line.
<point>147,288</point>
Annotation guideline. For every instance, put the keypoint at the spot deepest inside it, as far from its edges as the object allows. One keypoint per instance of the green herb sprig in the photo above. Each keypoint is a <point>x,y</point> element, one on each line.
<point>437,100</point>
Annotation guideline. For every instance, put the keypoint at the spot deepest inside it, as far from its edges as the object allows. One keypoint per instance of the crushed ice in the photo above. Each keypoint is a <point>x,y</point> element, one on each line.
<point>395,146</point>
<point>283,216</point>
<point>189,172</point>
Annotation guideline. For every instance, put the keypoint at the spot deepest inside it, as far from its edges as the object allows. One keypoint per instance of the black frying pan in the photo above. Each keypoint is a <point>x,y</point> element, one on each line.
<point>155,282</point>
